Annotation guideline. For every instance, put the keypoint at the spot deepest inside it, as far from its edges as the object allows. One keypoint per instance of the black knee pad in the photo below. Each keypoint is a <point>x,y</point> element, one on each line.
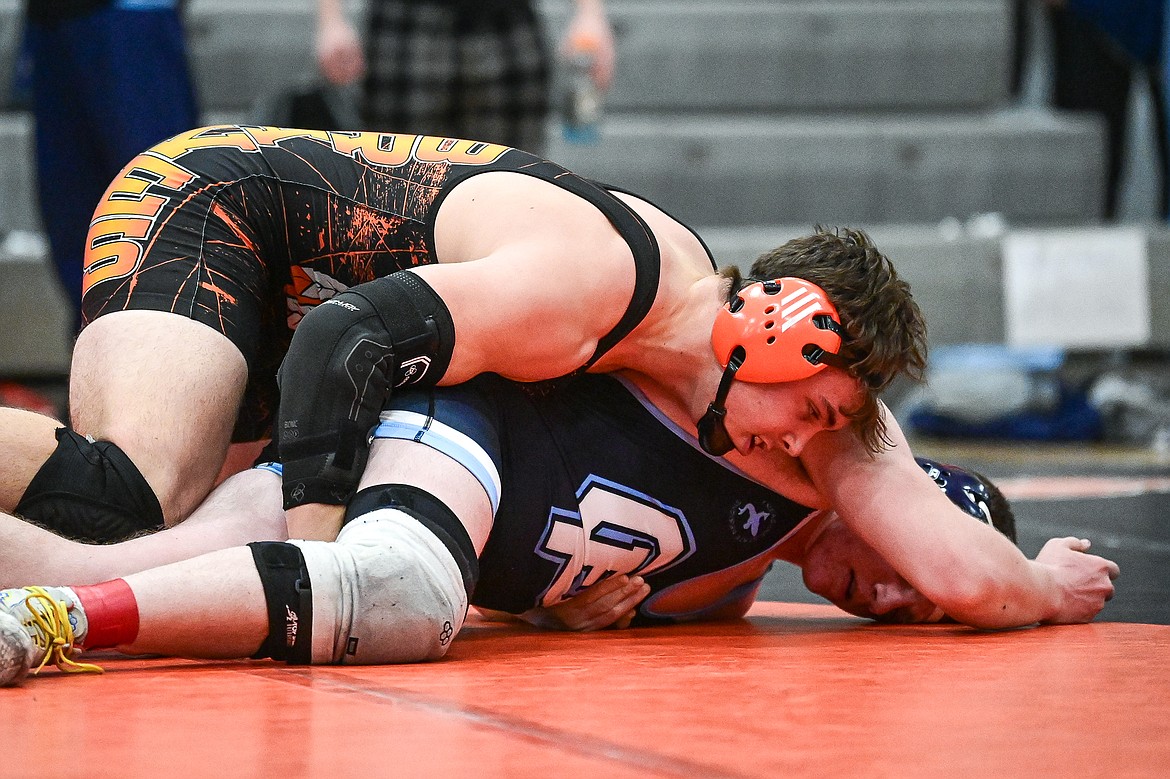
<point>346,356</point>
<point>90,491</point>
<point>288,594</point>
<point>431,512</point>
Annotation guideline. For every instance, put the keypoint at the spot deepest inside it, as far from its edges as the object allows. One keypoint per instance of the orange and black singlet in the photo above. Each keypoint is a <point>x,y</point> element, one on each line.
<point>246,228</point>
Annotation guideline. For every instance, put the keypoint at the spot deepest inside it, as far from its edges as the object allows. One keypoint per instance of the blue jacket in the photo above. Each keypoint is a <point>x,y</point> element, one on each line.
<point>1135,24</point>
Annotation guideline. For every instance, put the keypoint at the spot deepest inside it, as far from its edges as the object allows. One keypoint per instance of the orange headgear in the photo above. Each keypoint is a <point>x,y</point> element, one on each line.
<point>788,330</point>
<point>773,331</point>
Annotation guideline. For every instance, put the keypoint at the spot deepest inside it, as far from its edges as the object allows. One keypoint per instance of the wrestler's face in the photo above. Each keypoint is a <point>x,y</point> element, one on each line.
<point>785,416</point>
<point>842,568</point>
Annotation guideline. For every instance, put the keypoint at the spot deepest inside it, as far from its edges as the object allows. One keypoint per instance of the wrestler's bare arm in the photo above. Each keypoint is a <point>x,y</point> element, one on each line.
<point>533,276</point>
<point>976,575</point>
<point>514,320</point>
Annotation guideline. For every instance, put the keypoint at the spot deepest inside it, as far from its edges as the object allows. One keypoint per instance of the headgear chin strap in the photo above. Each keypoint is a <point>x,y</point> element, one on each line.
<point>713,436</point>
<point>773,331</point>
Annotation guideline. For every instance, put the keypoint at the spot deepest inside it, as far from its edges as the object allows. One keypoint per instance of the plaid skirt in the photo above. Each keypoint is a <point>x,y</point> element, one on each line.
<point>463,70</point>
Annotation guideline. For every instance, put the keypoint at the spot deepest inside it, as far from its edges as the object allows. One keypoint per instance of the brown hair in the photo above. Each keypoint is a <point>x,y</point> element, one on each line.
<point>886,330</point>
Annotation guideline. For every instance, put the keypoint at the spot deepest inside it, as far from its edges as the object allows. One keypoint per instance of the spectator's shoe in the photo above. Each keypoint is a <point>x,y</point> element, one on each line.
<point>38,626</point>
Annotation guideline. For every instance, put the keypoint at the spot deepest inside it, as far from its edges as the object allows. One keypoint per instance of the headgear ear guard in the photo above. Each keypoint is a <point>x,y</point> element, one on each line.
<point>788,329</point>
<point>964,490</point>
<point>773,331</point>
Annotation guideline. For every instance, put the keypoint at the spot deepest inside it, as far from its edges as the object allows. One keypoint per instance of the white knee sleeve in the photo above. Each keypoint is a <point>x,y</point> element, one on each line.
<point>386,591</point>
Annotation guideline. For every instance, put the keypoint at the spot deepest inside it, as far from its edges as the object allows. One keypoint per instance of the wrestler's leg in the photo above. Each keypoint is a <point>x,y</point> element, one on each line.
<point>245,508</point>
<point>390,589</point>
<point>215,605</point>
<point>211,606</point>
<point>26,441</point>
<point>398,461</point>
<point>164,388</point>
<point>395,584</point>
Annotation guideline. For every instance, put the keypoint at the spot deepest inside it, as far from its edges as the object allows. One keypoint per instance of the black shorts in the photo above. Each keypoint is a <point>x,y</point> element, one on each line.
<point>246,229</point>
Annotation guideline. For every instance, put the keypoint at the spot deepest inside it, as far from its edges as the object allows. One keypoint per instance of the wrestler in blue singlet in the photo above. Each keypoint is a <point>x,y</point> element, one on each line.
<point>592,480</point>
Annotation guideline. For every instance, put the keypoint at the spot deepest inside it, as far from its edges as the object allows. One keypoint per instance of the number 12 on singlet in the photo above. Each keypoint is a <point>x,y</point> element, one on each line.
<point>617,530</point>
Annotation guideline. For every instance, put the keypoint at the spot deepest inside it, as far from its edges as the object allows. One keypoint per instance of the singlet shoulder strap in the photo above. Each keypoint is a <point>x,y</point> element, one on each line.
<point>633,229</point>
<point>644,247</point>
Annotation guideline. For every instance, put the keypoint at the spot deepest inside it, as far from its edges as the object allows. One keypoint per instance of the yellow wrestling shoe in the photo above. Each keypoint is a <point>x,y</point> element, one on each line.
<point>38,626</point>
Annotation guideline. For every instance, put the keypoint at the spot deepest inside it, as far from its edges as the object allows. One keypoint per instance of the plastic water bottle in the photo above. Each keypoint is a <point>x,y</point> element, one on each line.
<point>582,101</point>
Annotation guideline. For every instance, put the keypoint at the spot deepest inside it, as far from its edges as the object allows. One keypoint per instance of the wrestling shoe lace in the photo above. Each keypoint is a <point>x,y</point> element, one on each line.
<point>46,620</point>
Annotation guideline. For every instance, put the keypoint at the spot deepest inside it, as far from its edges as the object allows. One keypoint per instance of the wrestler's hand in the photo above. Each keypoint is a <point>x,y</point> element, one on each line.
<point>1085,580</point>
<point>609,603</point>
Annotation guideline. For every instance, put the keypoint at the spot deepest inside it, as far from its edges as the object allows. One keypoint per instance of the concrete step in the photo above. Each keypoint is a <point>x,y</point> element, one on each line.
<point>18,205</point>
<point>1031,165</point>
<point>849,55</point>
<point>34,315</point>
<point>673,56</point>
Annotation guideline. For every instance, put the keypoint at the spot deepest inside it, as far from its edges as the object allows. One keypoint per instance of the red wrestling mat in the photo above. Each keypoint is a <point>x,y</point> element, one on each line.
<point>795,690</point>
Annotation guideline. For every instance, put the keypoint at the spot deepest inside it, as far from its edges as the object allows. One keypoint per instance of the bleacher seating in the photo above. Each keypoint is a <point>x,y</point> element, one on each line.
<point>804,56</point>
<point>1032,167</point>
<point>744,118</point>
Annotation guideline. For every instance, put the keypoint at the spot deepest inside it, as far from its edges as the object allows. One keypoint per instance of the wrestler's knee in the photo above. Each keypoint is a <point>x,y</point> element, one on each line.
<point>345,357</point>
<point>90,491</point>
<point>168,390</point>
<point>386,591</point>
<point>409,593</point>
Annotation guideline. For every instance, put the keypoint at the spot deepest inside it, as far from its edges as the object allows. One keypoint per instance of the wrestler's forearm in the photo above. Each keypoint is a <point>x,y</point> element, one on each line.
<point>1023,593</point>
<point>1064,584</point>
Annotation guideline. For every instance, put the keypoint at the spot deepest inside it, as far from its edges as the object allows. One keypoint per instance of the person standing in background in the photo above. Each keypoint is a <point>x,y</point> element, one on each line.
<point>1099,45</point>
<point>108,79</point>
<point>458,68</point>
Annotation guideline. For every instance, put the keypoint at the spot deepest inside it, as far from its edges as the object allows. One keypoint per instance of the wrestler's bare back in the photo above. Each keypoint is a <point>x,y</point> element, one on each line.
<point>534,275</point>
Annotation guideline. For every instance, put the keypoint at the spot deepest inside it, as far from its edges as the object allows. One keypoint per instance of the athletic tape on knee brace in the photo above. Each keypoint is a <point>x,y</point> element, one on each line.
<point>288,594</point>
<point>90,491</point>
<point>386,591</point>
<point>431,512</point>
<point>345,358</point>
